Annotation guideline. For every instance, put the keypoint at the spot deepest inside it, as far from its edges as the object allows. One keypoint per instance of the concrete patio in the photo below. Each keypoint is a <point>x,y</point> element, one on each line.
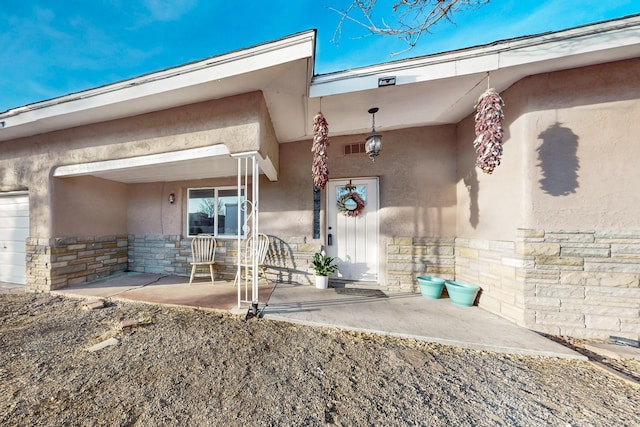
<point>167,290</point>
<point>400,314</point>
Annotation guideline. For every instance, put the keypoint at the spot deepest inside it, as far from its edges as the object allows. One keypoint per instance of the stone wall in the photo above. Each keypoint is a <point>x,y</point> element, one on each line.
<point>159,254</point>
<point>585,283</point>
<point>409,257</point>
<point>495,266</point>
<point>61,262</point>
<point>288,260</point>
<point>38,268</point>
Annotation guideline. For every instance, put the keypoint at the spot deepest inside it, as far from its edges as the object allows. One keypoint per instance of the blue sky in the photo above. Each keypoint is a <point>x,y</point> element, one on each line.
<point>53,48</point>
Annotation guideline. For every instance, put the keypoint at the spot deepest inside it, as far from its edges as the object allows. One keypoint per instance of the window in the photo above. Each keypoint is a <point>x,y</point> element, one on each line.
<point>214,211</point>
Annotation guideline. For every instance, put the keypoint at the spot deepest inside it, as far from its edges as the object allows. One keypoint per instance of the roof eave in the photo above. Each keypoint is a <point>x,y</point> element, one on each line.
<point>96,105</point>
<point>585,40</point>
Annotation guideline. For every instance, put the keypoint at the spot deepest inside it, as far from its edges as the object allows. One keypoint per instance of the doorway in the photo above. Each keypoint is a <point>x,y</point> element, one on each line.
<point>352,227</point>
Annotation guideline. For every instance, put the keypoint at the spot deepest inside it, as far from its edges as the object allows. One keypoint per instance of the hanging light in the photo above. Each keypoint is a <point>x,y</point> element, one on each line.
<point>373,144</point>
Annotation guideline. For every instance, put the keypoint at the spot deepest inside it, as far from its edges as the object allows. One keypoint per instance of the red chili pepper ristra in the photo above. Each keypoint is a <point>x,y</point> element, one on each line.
<point>489,133</point>
<point>319,168</point>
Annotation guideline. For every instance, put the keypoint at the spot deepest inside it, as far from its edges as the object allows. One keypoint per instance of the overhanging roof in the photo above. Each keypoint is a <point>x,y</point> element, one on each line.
<point>281,69</point>
<point>429,90</point>
<point>443,88</point>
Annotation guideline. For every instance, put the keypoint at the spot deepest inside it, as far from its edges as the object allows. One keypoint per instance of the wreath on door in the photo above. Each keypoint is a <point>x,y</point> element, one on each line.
<point>351,204</point>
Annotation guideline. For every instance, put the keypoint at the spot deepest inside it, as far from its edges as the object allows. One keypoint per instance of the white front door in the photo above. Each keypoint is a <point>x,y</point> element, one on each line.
<point>352,227</point>
<point>14,230</point>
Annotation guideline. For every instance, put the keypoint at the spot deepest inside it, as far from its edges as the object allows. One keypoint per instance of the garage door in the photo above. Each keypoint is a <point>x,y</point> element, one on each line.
<point>14,229</point>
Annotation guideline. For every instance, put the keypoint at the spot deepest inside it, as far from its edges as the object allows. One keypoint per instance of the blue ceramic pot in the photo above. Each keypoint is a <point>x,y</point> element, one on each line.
<point>463,294</point>
<point>430,287</point>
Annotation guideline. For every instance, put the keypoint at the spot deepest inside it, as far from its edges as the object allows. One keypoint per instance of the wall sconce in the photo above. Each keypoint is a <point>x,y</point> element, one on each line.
<point>373,144</point>
<point>172,198</point>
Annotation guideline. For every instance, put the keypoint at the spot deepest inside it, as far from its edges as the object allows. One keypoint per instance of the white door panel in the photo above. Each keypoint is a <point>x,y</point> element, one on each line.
<point>354,239</point>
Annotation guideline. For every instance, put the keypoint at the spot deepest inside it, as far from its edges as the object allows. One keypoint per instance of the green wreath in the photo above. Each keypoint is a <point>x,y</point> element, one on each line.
<point>355,197</point>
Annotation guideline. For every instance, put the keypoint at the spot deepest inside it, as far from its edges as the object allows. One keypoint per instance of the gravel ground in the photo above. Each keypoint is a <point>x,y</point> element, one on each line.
<point>189,367</point>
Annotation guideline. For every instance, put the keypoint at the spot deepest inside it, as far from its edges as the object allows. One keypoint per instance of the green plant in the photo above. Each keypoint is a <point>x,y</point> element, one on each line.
<point>323,265</point>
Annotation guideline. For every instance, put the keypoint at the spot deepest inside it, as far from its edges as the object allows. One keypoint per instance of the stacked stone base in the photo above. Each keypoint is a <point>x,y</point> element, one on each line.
<point>584,284</point>
<point>577,283</point>
<point>61,262</point>
<point>288,259</point>
<point>409,257</point>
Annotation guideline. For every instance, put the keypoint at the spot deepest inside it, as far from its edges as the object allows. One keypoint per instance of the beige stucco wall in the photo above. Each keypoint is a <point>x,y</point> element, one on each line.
<point>491,205</point>
<point>569,156</point>
<point>149,210</point>
<point>28,163</point>
<point>557,249</point>
<point>88,206</point>
<point>416,171</point>
<point>582,147</point>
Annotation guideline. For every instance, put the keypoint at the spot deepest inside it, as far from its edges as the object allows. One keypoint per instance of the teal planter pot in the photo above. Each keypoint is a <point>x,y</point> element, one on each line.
<point>430,287</point>
<point>463,294</point>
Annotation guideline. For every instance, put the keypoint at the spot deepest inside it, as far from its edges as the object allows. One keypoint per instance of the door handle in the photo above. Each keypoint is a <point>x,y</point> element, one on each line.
<point>330,239</point>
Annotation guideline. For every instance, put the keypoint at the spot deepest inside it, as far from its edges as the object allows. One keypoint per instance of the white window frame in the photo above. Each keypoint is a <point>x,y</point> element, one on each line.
<point>216,191</point>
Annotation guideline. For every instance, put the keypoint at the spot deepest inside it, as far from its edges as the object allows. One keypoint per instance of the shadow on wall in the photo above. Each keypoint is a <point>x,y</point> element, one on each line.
<point>473,187</point>
<point>558,160</point>
<point>280,260</point>
<point>469,175</point>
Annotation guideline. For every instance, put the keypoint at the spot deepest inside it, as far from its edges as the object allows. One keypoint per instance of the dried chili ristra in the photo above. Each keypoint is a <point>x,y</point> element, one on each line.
<point>489,133</point>
<point>319,167</point>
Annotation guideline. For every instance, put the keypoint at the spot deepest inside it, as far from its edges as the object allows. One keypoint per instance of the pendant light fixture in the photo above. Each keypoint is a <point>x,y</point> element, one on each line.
<point>373,144</point>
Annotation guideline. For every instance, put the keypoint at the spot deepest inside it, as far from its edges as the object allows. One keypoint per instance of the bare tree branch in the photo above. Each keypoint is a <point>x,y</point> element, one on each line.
<point>412,17</point>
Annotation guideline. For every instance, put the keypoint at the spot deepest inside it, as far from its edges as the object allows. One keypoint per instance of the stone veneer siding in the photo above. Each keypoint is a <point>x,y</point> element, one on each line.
<point>288,260</point>
<point>409,257</point>
<point>583,284</point>
<point>159,254</point>
<point>61,262</point>
<point>587,283</point>
<point>495,266</point>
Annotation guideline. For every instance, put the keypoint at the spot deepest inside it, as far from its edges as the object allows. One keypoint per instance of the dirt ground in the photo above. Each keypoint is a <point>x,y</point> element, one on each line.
<point>181,367</point>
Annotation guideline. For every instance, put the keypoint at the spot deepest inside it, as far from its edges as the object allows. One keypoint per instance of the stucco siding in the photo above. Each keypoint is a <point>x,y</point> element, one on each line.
<point>490,206</point>
<point>88,206</point>
<point>28,163</point>
<point>582,128</point>
<point>551,235</point>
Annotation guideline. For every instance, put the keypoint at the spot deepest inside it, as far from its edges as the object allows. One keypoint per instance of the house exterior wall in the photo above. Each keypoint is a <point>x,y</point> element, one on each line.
<point>569,259</point>
<point>551,236</point>
<point>413,216</point>
<point>96,209</point>
<point>417,216</point>
<point>88,206</point>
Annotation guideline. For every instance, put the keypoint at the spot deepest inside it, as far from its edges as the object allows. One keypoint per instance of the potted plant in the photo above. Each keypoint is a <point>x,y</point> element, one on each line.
<point>323,266</point>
